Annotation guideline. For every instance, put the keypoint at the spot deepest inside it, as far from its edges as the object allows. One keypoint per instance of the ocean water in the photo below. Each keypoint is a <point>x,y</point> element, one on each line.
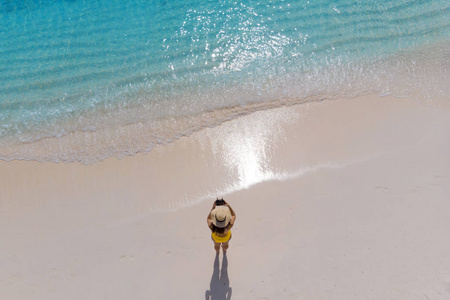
<point>86,80</point>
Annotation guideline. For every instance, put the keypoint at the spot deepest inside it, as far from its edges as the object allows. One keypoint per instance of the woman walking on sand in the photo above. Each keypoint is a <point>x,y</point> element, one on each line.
<point>220,220</point>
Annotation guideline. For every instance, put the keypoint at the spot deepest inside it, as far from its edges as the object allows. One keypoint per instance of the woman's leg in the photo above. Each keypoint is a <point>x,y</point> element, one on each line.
<point>225,246</point>
<point>217,247</point>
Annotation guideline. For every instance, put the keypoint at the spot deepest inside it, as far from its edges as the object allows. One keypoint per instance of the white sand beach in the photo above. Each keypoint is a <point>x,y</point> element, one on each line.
<point>342,200</point>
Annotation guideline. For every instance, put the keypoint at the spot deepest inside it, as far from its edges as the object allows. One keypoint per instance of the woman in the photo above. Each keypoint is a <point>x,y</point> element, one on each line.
<point>220,220</point>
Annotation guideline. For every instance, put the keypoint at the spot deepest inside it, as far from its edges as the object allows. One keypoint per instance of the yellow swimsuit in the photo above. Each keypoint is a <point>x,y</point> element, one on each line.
<point>219,239</point>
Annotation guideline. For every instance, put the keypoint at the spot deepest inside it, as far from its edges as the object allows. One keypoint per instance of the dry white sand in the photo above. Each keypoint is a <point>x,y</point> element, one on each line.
<point>345,199</point>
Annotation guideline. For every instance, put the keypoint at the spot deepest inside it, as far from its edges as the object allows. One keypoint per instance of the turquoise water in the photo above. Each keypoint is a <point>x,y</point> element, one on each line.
<point>100,66</point>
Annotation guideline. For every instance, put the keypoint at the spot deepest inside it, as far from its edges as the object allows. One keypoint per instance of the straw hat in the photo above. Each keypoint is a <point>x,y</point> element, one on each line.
<point>221,216</point>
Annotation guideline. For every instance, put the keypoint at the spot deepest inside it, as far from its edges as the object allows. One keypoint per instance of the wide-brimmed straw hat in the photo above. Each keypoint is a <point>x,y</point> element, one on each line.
<point>221,216</point>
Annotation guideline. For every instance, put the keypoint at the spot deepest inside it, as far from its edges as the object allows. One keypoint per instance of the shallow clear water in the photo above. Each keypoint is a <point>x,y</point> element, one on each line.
<point>172,67</point>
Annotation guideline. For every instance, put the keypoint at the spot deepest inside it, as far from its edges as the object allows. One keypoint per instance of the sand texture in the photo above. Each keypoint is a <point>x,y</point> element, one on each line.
<point>342,200</point>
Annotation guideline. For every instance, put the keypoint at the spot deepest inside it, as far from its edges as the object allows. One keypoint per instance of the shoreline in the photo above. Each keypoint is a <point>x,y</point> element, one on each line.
<point>342,199</point>
<point>262,146</point>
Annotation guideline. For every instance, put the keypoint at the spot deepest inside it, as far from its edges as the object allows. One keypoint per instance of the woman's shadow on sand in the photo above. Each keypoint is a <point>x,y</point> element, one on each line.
<point>219,288</point>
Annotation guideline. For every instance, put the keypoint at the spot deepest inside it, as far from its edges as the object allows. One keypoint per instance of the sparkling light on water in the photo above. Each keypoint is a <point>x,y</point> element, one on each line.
<point>90,66</point>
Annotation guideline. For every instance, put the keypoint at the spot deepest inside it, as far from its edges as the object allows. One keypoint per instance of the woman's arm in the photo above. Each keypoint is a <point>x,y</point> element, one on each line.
<point>208,219</point>
<point>233,214</point>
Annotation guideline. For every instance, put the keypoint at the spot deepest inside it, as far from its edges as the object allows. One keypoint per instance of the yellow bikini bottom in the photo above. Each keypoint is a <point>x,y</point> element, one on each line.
<point>220,239</point>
